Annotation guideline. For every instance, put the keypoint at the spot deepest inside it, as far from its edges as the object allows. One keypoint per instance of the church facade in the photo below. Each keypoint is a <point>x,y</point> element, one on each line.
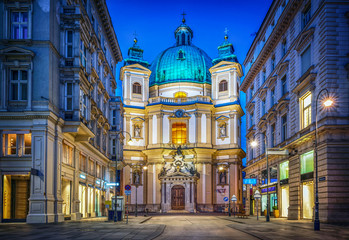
<point>183,115</point>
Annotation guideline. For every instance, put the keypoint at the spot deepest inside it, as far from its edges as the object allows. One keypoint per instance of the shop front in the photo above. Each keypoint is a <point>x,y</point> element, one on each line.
<point>307,184</point>
<point>66,196</point>
<point>285,190</point>
<point>82,199</point>
<point>15,200</point>
<point>272,194</point>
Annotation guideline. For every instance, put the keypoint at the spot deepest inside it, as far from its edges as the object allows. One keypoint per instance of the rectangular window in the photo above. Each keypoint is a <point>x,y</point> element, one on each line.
<point>272,135</point>
<point>91,167</point>
<point>113,150</point>
<point>284,170</point>
<point>272,98</point>
<point>306,110</point>
<point>284,128</point>
<point>83,54</point>
<point>113,117</point>
<point>16,144</point>
<point>284,47</point>
<point>306,15</point>
<point>251,120</point>
<point>263,143</point>
<point>284,85</point>
<point>82,163</point>
<point>19,85</point>
<point>262,107</point>
<point>19,25</point>
<point>67,154</point>
<point>179,133</point>
<point>307,162</point>
<point>263,75</point>
<point>305,60</point>
<point>69,44</point>
<point>83,104</point>
<point>98,170</point>
<point>273,63</point>
<point>69,96</point>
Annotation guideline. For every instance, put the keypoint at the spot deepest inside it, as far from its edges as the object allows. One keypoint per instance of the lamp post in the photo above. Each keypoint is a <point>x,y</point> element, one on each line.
<point>118,134</point>
<point>254,144</point>
<point>222,168</point>
<point>234,199</point>
<point>257,196</point>
<point>327,103</point>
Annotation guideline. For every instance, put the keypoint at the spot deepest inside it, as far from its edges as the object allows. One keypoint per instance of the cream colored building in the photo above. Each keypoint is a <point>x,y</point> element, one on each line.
<point>183,114</point>
<point>301,49</point>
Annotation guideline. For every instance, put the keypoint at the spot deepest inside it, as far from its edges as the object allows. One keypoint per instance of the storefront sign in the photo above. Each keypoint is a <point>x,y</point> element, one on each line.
<point>82,176</point>
<point>322,179</point>
<point>271,189</point>
<point>252,181</point>
<point>277,152</point>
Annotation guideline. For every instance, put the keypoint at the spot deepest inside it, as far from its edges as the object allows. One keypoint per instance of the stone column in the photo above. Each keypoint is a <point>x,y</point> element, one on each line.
<point>75,208</point>
<point>198,127</point>
<point>294,188</point>
<point>208,128</point>
<point>159,122</point>
<point>150,135</point>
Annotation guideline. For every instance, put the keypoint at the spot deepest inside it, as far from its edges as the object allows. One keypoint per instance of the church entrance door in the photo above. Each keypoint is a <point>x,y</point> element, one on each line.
<point>177,197</point>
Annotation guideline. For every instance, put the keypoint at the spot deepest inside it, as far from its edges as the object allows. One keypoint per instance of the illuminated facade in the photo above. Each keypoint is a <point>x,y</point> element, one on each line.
<point>56,79</point>
<point>183,114</point>
<point>293,57</point>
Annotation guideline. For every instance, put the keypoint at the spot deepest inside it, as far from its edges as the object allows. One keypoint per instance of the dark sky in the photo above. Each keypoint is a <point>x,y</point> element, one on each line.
<point>154,23</point>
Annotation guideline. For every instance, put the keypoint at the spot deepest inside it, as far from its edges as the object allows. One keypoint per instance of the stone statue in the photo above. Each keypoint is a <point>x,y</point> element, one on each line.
<point>223,130</point>
<point>137,131</point>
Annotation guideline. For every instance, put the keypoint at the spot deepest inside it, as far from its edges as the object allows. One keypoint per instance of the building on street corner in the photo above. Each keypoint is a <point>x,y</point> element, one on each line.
<point>57,76</point>
<point>300,49</point>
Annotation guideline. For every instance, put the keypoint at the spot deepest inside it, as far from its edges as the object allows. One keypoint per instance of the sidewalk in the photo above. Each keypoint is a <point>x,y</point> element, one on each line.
<point>281,228</point>
<point>131,220</point>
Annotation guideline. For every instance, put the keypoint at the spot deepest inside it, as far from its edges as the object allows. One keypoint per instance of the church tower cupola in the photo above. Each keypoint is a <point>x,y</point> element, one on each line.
<point>225,51</point>
<point>183,33</point>
<point>135,55</point>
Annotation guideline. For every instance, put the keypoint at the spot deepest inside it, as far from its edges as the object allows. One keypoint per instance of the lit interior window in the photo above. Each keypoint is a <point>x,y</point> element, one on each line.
<point>27,144</point>
<point>179,133</point>
<point>180,95</point>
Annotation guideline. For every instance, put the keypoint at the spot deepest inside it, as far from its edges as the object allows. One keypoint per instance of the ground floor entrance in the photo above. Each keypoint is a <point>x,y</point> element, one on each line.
<point>178,197</point>
<point>16,192</point>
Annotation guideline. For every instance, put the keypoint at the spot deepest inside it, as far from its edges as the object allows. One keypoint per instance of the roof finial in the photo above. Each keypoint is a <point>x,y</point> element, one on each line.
<point>183,14</point>
<point>226,33</point>
<point>135,40</point>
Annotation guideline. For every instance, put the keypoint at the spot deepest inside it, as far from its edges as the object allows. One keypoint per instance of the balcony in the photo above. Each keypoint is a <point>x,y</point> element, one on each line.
<point>180,101</point>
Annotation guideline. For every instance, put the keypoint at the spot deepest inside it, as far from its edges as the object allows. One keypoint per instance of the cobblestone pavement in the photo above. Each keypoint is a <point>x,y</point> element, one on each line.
<point>280,228</point>
<point>82,230</point>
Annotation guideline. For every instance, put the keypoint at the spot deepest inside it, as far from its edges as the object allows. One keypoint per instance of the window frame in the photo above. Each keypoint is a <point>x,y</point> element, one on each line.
<point>69,44</point>
<point>21,25</point>
<point>174,135</point>
<point>284,89</point>
<point>304,109</point>
<point>136,88</point>
<point>284,127</point>
<point>20,144</point>
<point>19,82</point>
<point>69,96</point>
<point>306,15</point>
<point>223,86</point>
<point>304,68</point>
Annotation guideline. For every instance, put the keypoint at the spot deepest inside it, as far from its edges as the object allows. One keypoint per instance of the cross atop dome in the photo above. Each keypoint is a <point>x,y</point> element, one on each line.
<point>183,14</point>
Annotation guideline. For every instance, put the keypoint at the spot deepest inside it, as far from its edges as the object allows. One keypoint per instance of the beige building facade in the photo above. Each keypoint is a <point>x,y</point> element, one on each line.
<point>300,52</point>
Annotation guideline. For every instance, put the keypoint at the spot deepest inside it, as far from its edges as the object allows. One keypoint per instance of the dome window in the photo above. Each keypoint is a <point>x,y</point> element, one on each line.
<point>137,88</point>
<point>223,85</point>
<point>181,55</point>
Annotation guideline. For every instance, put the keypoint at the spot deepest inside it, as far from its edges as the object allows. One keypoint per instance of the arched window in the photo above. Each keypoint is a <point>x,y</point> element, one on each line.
<point>181,54</point>
<point>137,88</point>
<point>179,133</point>
<point>180,95</point>
<point>223,86</point>
<point>183,38</point>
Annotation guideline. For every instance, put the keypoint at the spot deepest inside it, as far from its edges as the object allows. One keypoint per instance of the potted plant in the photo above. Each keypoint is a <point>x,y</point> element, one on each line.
<point>276,211</point>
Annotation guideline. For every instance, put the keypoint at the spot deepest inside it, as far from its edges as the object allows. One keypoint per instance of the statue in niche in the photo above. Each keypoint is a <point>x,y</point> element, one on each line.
<point>137,131</point>
<point>223,130</point>
<point>223,177</point>
<point>136,178</point>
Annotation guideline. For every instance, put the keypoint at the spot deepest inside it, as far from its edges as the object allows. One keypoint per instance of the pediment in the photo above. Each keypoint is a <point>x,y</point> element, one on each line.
<point>226,65</point>
<point>222,118</point>
<point>134,68</point>
<point>16,51</point>
<point>283,66</point>
<point>304,39</point>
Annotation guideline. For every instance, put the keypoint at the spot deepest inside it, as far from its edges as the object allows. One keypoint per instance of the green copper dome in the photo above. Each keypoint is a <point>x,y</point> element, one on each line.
<point>183,62</point>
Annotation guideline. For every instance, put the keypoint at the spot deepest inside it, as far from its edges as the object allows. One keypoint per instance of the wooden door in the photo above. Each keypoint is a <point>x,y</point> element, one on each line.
<point>178,197</point>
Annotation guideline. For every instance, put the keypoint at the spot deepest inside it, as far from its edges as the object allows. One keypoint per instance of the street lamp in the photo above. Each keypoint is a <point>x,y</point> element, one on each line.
<point>327,103</point>
<point>254,144</point>
<point>257,196</point>
<point>222,167</point>
<point>234,199</point>
<point>118,134</point>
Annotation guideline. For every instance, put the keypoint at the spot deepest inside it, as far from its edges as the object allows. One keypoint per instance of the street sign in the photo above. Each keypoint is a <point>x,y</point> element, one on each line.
<point>277,152</point>
<point>128,192</point>
<point>225,199</point>
<point>128,187</point>
<point>234,198</point>
<point>252,181</point>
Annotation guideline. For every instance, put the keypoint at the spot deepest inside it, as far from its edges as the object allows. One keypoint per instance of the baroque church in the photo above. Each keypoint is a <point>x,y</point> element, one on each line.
<point>182,114</point>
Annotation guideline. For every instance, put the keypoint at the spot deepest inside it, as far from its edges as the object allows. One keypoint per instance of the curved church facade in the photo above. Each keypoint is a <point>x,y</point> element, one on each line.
<point>184,118</point>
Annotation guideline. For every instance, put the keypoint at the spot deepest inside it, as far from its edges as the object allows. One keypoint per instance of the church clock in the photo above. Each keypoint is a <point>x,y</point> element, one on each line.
<point>179,113</point>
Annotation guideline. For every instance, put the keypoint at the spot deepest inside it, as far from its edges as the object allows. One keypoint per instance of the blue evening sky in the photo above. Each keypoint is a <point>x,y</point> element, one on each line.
<point>154,22</point>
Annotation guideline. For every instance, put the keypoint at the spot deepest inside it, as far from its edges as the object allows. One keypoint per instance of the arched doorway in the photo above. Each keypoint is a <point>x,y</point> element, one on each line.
<point>177,197</point>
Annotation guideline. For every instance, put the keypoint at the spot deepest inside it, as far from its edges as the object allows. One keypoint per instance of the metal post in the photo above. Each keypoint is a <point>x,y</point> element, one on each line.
<point>316,219</point>
<point>229,190</point>
<point>257,209</point>
<point>266,156</point>
<point>136,212</point>
<point>116,183</point>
